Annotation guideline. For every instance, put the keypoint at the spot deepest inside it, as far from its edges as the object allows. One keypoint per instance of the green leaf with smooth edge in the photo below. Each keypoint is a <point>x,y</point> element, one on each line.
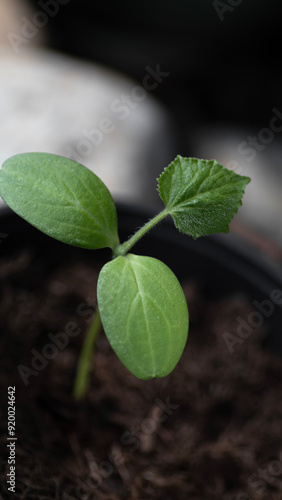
<point>144,314</point>
<point>61,198</point>
<point>201,195</point>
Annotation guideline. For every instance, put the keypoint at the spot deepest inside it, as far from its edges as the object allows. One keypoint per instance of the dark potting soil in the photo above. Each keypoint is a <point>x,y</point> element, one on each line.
<point>210,430</point>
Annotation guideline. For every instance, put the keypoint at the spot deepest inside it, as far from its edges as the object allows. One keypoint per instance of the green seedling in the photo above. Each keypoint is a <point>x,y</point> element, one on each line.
<point>141,304</point>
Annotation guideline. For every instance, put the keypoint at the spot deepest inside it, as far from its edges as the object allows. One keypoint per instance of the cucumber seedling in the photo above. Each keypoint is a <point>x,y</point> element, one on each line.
<point>141,304</point>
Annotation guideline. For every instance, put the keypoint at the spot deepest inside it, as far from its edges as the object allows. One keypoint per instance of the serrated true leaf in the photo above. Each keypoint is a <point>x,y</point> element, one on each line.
<point>201,195</point>
<point>61,198</point>
<point>144,314</point>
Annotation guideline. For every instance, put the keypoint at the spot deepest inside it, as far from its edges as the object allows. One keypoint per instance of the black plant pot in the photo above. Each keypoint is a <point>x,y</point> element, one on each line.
<point>155,439</point>
<point>222,264</point>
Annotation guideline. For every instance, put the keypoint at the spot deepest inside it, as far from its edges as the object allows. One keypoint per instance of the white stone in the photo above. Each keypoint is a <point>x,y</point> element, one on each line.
<point>47,100</point>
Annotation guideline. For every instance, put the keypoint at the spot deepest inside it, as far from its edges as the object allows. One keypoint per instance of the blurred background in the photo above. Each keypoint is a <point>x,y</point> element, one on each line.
<point>123,87</point>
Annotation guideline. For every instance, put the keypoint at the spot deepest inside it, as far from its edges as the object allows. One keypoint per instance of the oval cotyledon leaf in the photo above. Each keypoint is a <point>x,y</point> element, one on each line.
<point>144,314</point>
<point>60,197</point>
<point>202,196</point>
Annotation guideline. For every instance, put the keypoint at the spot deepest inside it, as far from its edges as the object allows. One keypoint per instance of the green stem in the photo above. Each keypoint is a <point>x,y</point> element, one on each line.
<point>84,362</point>
<point>125,247</point>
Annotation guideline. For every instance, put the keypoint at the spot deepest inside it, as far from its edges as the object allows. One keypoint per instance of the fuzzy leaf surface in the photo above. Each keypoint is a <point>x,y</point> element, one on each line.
<point>60,197</point>
<point>202,196</point>
<point>144,314</point>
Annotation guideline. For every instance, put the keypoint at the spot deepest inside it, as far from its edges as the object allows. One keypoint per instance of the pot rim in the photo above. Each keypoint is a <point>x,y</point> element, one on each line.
<point>225,263</point>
